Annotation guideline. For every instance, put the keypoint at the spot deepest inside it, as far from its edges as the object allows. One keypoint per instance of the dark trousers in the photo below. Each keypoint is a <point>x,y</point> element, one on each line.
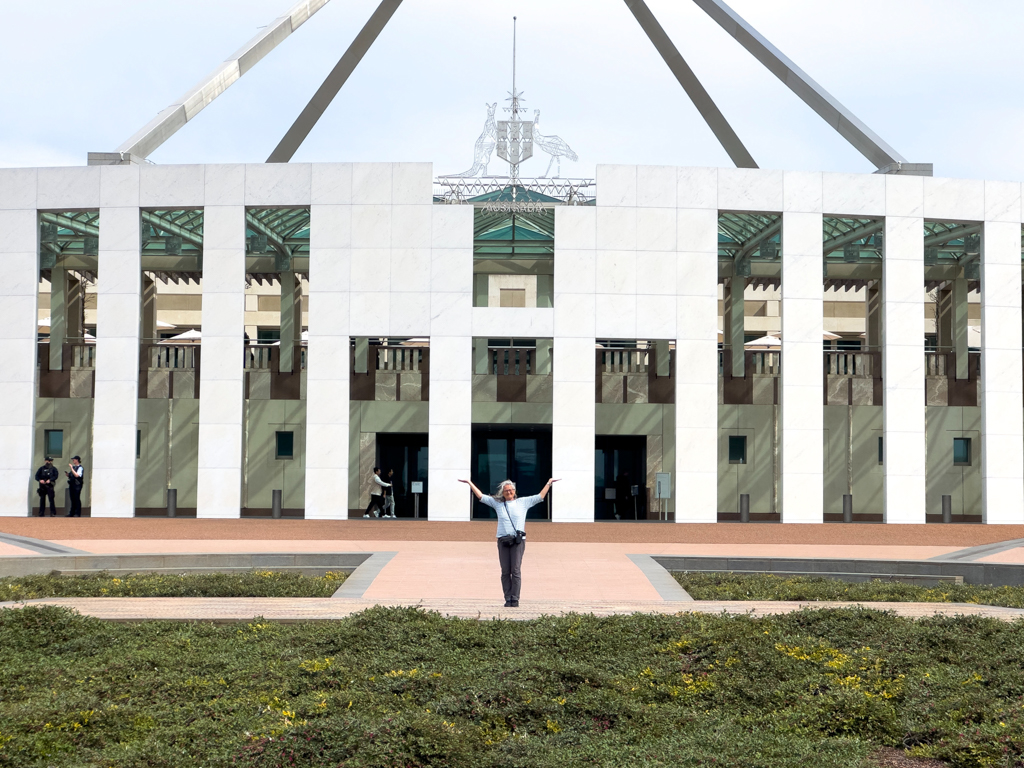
<point>375,501</point>
<point>76,501</point>
<point>47,493</point>
<point>511,559</point>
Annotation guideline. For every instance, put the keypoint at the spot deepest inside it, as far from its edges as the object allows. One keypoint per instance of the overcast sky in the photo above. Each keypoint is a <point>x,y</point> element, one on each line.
<point>939,80</point>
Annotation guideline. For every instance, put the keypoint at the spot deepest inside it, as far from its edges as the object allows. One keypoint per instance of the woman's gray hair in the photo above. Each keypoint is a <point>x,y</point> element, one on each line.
<point>501,489</point>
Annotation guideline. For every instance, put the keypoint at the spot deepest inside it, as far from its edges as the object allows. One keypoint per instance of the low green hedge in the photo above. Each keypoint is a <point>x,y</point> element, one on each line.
<point>241,584</point>
<point>736,586</point>
<point>400,687</point>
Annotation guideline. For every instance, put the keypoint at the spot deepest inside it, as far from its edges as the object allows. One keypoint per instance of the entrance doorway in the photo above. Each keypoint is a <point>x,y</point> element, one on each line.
<point>620,477</point>
<point>407,455</point>
<point>521,454</point>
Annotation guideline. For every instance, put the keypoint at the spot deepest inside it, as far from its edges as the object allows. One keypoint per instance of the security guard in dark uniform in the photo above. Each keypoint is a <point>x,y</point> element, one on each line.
<point>76,479</point>
<point>46,476</point>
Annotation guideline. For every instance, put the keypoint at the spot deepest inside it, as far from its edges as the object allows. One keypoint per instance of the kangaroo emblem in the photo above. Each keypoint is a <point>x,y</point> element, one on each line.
<point>484,147</point>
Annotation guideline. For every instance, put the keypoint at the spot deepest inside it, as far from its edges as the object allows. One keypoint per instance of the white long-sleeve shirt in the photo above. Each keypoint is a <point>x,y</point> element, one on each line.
<point>380,485</point>
<point>517,509</point>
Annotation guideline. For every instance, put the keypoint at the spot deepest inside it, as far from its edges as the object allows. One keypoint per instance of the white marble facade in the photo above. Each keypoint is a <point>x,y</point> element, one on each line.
<point>386,261</point>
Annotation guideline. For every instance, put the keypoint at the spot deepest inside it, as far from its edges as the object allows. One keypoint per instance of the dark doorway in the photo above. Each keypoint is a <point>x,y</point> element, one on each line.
<point>620,477</point>
<point>406,454</point>
<point>521,454</point>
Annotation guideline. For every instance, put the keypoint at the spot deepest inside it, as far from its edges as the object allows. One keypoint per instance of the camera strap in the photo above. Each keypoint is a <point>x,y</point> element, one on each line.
<point>515,531</point>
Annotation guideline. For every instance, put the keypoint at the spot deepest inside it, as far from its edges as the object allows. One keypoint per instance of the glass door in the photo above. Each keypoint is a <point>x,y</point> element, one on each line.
<point>522,455</point>
<point>620,477</point>
<point>406,455</point>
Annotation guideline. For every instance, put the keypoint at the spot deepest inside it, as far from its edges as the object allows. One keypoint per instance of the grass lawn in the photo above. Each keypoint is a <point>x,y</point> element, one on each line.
<point>241,584</point>
<point>735,586</point>
<point>401,687</point>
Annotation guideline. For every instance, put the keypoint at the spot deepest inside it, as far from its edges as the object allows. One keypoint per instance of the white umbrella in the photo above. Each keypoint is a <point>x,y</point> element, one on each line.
<point>765,342</point>
<point>829,336</point>
<point>190,336</point>
<point>162,324</point>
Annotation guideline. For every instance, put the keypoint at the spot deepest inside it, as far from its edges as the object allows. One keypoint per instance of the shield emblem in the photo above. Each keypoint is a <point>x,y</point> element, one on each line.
<point>515,141</point>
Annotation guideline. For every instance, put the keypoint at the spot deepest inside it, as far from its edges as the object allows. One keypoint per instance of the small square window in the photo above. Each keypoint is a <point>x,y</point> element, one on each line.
<point>285,445</point>
<point>881,454</point>
<point>961,451</point>
<point>737,449</point>
<point>53,441</point>
<point>512,297</point>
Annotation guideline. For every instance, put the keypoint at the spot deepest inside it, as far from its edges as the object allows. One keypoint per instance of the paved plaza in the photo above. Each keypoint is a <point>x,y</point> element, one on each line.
<point>452,568</point>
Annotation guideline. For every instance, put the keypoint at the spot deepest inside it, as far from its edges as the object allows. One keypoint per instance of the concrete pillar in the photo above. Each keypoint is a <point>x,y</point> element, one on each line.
<point>732,319</point>
<point>58,315</point>
<point>960,326</point>
<point>903,364</point>
<point>291,319</point>
<point>19,302</point>
<point>480,357</point>
<point>801,430</point>
<point>1000,388</point>
<point>327,364</point>
<point>450,412</point>
<point>118,309</point>
<point>696,375</point>
<point>944,318</point>
<point>149,327</point>
<point>221,391</point>
<point>873,317</point>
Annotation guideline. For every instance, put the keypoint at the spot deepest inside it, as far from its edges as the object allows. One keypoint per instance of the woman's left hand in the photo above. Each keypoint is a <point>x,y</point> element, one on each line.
<point>553,480</point>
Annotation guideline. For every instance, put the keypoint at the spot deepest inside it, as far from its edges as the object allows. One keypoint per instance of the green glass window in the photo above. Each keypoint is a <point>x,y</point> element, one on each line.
<point>53,441</point>
<point>285,445</point>
<point>961,451</point>
<point>737,449</point>
<point>880,451</point>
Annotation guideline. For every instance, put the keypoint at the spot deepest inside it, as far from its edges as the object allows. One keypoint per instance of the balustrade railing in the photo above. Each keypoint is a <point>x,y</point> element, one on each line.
<point>179,357</point>
<point>849,363</point>
<point>258,357</point>
<point>83,356</point>
<point>399,359</point>
<point>764,362</point>
<point>935,363</point>
<point>512,361</point>
<point>624,360</point>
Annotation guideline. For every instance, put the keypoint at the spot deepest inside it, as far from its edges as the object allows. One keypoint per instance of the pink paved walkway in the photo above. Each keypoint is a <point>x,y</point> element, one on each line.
<point>469,569</point>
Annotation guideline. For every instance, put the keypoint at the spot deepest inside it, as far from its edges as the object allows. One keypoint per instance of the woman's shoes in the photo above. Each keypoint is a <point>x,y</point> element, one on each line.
<point>512,604</point>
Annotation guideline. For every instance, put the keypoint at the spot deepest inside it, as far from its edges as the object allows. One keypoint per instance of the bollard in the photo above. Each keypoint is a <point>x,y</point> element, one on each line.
<point>67,502</point>
<point>744,507</point>
<point>947,509</point>
<point>847,508</point>
<point>172,502</point>
<point>277,505</point>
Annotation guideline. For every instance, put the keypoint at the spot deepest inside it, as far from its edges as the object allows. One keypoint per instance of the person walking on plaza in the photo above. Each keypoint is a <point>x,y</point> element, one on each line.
<point>511,511</point>
<point>389,496</point>
<point>376,494</point>
<point>46,476</point>
<point>76,479</point>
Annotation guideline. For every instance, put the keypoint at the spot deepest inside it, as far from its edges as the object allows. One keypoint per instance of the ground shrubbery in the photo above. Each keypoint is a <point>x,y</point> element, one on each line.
<point>737,586</point>
<point>400,687</point>
<point>240,584</point>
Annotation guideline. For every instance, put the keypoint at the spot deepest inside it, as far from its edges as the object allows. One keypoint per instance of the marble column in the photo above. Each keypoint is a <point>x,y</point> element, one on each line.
<point>118,312</point>
<point>903,363</point>
<point>959,322</point>
<point>291,319</point>
<point>695,485</point>
<point>450,412</point>
<point>328,360</point>
<point>801,430</point>
<point>58,315</point>
<point>222,376</point>
<point>1000,388</point>
<point>19,301</point>
<point>733,332</point>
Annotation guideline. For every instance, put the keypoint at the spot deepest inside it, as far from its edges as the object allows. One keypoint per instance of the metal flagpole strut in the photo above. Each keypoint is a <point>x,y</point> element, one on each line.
<point>514,137</point>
